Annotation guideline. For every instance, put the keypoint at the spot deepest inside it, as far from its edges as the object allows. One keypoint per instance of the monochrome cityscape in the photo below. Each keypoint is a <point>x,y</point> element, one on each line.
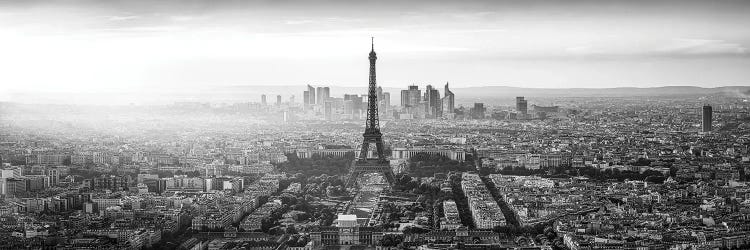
<point>436,165</point>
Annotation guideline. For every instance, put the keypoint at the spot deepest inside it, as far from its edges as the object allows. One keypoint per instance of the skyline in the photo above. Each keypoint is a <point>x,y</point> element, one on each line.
<point>140,46</point>
<point>252,93</point>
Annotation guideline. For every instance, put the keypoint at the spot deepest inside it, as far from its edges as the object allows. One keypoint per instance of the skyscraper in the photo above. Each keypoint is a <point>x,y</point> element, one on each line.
<point>318,97</point>
<point>411,99</point>
<point>404,99</point>
<point>384,101</point>
<point>707,118</point>
<point>310,95</point>
<point>263,100</point>
<point>521,105</point>
<point>326,94</point>
<point>323,93</point>
<point>356,103</point>
<point>278,100</point>
<point>478,111</point>
<point>448,102</point>
<point>432,102</point>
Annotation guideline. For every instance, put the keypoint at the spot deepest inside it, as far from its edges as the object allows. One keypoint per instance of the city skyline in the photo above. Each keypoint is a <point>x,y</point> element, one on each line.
<point>559,169</point>
<point>79,46</point>
<point>253,93</point>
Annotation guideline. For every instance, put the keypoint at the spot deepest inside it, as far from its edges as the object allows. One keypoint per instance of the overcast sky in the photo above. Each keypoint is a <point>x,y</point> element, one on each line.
<point>132,44</point>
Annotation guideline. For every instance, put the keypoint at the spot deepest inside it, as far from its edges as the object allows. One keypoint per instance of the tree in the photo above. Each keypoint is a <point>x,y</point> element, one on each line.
<point>550,233</point>
<point>391,240</point>
<point>415,230</point>
<point>291,229</point>
<point>655,179</point>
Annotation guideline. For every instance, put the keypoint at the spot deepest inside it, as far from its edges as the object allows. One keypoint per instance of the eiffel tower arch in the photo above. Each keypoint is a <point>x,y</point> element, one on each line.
<point>372,135</point>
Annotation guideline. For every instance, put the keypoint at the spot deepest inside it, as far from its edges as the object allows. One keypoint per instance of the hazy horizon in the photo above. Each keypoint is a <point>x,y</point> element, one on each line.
<point>252,93</point>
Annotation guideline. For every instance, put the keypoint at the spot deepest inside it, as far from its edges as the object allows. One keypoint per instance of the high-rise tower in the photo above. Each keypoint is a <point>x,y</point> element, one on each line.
<point>432,102</point>
<point>410,99</point>
<point>521,105</point>
<point>322,95</point>
<point>309,97</point>
<point>707,118</point>
<point>448,102</point>
<point>372,135</point>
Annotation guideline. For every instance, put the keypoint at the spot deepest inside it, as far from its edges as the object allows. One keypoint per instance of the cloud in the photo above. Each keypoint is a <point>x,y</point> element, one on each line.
<point>122,18</point>
<point>690,46</point>
<point>364,32</point>
<point>183,18</point>
<point>297,22</point>
<point>669,48</point>
<point>581,50</point>
<point>143,29</point>
<point>326,20</point>
<point>477,31</point>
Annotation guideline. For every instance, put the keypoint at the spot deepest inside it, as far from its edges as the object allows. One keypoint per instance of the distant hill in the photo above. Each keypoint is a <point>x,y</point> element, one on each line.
<point>491,94</point>
<point>497,91</point>
<point>252,93</point>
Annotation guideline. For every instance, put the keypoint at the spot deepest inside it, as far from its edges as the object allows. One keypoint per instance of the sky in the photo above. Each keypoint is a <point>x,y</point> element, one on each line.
<point>92,45</point>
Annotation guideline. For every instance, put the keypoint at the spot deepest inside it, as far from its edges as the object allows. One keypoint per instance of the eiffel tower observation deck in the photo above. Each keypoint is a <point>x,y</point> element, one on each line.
<point>372,135</point>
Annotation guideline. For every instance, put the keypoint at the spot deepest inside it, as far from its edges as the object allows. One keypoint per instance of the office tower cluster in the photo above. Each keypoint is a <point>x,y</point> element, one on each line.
<point>353,104</point>
<point>520,111</point>
<point>264,100</point>
<point>318,103</point>
<point>410,100</point>
<point>430,105</point>
<point>416,103</point>
<point>315,96</point>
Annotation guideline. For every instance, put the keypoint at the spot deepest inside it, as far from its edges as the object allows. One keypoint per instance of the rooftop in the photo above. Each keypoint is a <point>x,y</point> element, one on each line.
<point>347,217</point>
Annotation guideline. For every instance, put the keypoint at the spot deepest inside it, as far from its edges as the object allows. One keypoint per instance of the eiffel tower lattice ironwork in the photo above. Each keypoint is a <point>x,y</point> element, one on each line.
<point>372,135</point>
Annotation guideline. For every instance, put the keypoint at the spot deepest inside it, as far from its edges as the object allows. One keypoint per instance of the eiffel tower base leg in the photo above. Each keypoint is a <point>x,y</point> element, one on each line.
<point>374,166</point>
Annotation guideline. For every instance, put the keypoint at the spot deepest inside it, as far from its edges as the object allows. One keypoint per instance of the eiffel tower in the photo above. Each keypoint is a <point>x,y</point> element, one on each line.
<point>372,135</point>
